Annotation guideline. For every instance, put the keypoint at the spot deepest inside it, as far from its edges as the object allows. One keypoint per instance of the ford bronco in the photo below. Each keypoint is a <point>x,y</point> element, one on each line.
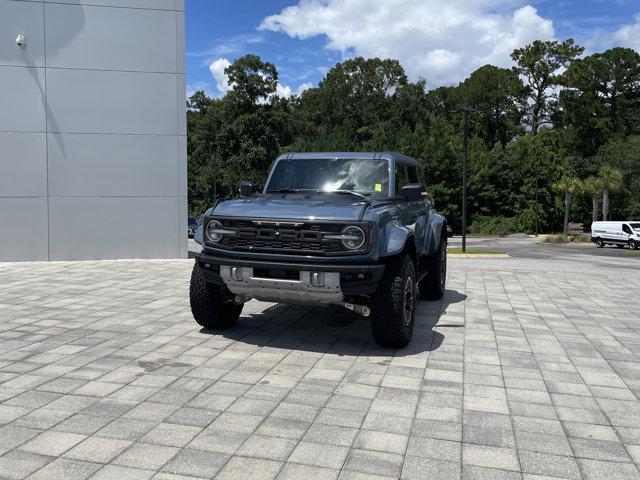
<point>350,229</point>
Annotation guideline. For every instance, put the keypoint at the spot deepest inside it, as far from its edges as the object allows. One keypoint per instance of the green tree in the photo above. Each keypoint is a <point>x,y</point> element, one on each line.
<point>602,97</point>
<point>533,163</point>
<point>352,106</point>
<point>611,179</point>
<point>623,154</point>
<point>540,63</point>
<point>500,97</point>
<point>569,186</point>
<point>252,80</point>
<point>368,104</point>
<point>236,137</point>
<point>438,146</point>
<point>593,187</point>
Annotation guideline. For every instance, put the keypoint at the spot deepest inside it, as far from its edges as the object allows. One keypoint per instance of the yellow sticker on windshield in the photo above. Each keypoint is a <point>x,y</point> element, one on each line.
<point>378,187</point>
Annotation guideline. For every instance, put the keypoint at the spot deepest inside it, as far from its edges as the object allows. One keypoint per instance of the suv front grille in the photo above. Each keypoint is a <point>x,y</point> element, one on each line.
<point>286,237</point>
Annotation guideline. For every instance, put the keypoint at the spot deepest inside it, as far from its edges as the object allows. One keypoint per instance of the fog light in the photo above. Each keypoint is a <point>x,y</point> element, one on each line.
<point>317,279</point>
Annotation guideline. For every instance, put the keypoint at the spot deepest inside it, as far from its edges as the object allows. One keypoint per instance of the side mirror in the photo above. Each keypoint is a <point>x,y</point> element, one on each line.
<point>412,192</point>
<point>247,188</point>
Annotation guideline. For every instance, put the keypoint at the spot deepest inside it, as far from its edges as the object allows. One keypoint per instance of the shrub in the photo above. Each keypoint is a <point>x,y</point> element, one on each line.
<point>494,226</point>
<point>556,239</point>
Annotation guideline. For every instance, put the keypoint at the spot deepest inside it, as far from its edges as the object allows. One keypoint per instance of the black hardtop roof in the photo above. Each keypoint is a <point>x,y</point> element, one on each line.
<point>398,157</point>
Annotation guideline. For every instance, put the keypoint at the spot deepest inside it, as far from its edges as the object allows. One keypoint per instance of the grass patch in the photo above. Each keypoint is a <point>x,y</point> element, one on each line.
<point>560,239</point>
<point>474,251</point>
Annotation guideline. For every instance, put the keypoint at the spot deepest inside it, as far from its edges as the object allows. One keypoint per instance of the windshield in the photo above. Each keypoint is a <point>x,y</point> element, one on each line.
<point>635,226</point>
<point>193,222</point>
<point>365,176</point>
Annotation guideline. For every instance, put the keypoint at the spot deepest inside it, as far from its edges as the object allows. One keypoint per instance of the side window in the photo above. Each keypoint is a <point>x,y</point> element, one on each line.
<point>412,174</point>
<point>401,176</point>
<point>626,229</point>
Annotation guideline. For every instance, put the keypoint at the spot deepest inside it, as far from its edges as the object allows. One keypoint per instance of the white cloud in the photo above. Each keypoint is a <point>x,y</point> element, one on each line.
<point>629,35</point>
<point>304,87</point>
<point>217,72</point>
<point>218,66</point>
<point>440,41</point>
<point>286,91</point>
<point>229,45</point>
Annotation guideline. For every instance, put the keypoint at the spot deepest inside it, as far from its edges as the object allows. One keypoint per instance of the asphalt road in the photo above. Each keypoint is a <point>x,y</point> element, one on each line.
<point>535,248</point>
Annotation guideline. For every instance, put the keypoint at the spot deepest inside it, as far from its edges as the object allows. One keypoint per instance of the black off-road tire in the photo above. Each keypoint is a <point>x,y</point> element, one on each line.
<point>208,306</point>
<point>392,312</point>
<point>433,285</point>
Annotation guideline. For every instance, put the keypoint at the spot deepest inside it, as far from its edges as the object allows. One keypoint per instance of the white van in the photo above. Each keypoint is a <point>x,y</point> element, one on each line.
<point>616,233</point>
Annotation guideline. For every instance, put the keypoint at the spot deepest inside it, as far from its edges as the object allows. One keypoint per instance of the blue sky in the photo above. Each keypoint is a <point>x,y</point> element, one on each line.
<point>439,40</point>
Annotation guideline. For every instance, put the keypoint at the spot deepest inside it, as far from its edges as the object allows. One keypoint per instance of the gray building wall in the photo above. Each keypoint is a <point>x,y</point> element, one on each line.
<point>92,130</point>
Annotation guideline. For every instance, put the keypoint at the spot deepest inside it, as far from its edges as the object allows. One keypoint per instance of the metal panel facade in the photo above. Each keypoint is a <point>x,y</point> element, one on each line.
<point>92,130</point>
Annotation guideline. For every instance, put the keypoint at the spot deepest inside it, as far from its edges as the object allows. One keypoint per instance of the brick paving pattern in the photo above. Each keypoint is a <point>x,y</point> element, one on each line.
<point>523,371</point>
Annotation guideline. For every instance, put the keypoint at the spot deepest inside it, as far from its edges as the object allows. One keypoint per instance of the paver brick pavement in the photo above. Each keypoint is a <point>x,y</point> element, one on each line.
<point>525,370</point>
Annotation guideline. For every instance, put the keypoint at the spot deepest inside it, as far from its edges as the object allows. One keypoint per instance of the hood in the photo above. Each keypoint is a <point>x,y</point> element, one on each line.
<point>294,206</point>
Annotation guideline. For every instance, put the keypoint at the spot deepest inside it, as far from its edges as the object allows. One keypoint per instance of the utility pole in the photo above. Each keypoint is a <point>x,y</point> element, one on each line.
<point>464,179</point>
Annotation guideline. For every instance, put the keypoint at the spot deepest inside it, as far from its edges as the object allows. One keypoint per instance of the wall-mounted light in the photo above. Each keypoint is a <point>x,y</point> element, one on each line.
<point>21,41</point>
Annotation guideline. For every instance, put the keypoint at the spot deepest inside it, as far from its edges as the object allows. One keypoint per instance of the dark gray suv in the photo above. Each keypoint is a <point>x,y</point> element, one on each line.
<point>332,228</point>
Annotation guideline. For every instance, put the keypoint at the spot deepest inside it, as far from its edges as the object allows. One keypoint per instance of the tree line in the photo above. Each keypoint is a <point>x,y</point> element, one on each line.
<point>559,132</point>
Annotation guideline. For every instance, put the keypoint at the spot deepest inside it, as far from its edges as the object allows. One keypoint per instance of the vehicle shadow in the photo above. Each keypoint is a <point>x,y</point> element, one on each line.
<point>336,330</point>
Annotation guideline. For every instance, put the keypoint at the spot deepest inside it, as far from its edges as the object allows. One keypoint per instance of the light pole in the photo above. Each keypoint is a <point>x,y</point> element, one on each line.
<point>465,143</point>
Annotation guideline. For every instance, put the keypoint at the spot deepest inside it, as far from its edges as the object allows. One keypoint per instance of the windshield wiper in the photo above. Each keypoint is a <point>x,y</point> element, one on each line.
<point>345,192</point>
<point>284,190</point>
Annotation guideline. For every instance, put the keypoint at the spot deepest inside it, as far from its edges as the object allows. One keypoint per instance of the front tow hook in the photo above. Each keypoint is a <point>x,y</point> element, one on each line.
<point>359,309</point>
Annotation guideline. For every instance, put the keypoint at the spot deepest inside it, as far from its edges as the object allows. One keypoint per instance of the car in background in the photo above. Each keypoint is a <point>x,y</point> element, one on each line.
<point>192,226</point>
<point>616,233</point>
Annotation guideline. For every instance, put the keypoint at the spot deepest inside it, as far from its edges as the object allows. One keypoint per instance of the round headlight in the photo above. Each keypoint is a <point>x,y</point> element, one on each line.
<point>213,232</point>
<point>353,237</point>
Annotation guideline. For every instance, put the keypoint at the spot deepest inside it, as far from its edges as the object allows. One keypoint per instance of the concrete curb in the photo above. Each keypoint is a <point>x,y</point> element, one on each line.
<point>478,255</point>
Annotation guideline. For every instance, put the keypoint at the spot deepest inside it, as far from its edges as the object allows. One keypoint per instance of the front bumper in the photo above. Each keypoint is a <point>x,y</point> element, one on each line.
<point>292,282</point>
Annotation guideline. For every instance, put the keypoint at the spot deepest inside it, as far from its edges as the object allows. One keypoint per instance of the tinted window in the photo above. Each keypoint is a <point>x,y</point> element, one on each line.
<point>412,174</point>
<point>401,176</point>
<point>626,229</point>
<point>327,174</point>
